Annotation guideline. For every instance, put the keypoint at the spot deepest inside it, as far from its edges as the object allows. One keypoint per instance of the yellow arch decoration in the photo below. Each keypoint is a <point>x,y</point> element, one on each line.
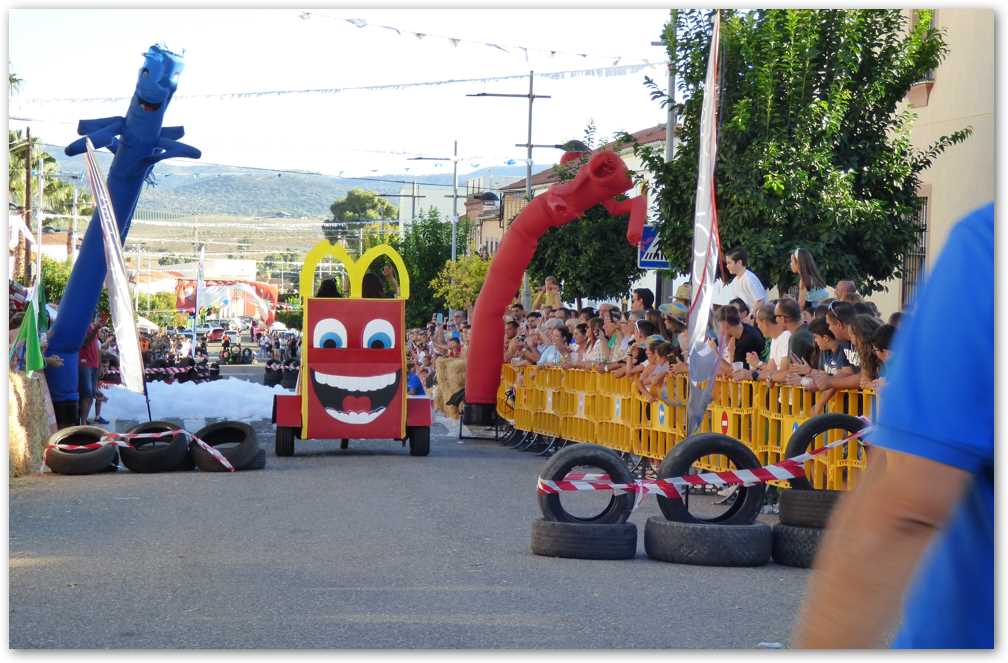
<point>355,268</point>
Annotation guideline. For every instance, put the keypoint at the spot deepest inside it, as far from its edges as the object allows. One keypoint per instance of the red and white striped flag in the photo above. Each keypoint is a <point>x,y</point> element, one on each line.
<point>703,360</point>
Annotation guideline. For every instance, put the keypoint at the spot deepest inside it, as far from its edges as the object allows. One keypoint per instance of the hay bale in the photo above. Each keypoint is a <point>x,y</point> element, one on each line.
<point>29,424</point>
<point>450,378</point>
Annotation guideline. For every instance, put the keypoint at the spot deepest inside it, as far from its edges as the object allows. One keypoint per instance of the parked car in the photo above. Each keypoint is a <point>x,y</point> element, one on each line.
<point>215,335</point>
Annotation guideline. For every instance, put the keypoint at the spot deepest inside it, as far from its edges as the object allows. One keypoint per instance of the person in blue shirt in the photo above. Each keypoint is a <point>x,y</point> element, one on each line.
<point>414,385</point>
<point>917,534</point>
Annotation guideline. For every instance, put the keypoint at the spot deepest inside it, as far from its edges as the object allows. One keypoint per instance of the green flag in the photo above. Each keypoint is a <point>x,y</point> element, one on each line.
<point>29,334</point>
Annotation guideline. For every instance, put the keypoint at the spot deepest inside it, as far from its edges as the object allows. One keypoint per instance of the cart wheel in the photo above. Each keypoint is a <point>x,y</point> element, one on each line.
<point>419,440</point>
<point>284,441</point>
<point>344,443</point>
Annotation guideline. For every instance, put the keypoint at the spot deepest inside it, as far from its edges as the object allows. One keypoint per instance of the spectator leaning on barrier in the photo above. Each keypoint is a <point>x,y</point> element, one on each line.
<point>616,349</point>
<point>598,349</point>
<point>862,332</point>
<point>914,542</point>
<point>559,349</point>
<point>801,347</point>
<point>839,317</point>
<point>745,285</point>
<point>740,339</point>
<point>765,367</point>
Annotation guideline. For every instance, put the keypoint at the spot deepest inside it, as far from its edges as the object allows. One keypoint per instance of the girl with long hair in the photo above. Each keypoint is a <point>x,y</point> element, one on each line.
<point>811,284</point>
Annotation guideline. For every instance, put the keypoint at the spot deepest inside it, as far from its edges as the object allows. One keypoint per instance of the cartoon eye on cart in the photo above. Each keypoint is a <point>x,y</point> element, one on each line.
<point>352,380</point>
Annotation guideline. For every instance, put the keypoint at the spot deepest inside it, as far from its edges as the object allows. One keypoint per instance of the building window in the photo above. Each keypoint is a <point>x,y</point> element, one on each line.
<point>914,261</point>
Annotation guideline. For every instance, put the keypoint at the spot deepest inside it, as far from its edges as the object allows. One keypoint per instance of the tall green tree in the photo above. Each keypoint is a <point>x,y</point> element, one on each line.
<point>814,149</point>
<point>590,256</point>
<point>357,206</point>
<point>425,248</point>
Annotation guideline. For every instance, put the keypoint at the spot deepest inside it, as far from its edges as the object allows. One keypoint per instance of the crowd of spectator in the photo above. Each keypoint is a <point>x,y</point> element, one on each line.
<point>809,338</point>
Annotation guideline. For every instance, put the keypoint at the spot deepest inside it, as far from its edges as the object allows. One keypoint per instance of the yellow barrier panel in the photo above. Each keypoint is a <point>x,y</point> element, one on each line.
<point>593,407</point>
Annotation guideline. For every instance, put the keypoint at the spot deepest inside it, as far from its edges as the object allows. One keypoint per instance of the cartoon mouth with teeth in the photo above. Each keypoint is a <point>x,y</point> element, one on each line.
<point>355,399</point>
<point>355,376</point>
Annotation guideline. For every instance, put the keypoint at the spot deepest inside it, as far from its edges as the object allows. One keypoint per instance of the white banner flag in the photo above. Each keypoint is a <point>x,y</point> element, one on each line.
<point>703,360</point>
<point>120,302</point>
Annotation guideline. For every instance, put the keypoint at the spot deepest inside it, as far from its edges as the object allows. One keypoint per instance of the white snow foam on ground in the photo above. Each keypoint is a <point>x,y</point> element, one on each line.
<point>225,399</point>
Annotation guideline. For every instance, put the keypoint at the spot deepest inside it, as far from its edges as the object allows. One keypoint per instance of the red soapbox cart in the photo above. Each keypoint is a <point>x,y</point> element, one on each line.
<point>352,382</point>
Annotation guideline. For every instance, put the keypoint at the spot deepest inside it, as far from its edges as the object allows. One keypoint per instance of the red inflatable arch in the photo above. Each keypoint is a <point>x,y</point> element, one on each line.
<point>603,177</point>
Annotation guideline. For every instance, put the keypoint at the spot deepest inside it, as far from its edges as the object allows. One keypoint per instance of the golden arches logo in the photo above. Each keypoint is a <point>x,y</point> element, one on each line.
<point>356,269</point>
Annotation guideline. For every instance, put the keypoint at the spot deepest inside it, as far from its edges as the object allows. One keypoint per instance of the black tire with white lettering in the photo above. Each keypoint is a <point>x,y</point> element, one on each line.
<point>748,500</point>
<point>705,544</point>
<point>235,440</point>
<point>593,456</point>
<point>804,435</point>
<point>80,461</point>
<point>583,540</point>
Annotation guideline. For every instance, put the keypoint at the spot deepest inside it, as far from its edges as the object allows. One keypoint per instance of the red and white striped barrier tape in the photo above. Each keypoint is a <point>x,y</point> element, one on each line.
<point>291,367</point>
<point>169,370</point>
<point>121,440</point>
<point>790,468</point>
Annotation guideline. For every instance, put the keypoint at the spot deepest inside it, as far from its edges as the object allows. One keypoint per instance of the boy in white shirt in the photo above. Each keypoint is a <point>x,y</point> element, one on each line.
<point>745,285</point>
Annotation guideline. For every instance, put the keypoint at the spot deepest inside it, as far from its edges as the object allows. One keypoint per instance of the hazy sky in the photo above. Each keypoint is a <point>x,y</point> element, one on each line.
<point>73,53</point>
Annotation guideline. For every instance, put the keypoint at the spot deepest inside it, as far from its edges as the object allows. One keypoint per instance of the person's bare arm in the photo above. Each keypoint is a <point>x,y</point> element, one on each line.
<point>872,546</point>
<point>845,378</point>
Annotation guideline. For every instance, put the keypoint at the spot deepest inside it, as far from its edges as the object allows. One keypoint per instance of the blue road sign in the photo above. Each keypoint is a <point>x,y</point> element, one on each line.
<point>649,255</point>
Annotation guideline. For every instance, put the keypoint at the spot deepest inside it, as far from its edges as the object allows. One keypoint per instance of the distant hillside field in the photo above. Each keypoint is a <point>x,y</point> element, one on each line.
<point>250,192</point>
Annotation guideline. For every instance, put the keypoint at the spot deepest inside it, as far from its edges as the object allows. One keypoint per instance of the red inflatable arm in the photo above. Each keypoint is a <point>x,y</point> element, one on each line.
<point>596,182</point>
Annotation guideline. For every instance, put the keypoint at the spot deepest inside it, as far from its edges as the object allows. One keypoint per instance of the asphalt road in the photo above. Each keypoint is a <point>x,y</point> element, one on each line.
<point>366,548</point>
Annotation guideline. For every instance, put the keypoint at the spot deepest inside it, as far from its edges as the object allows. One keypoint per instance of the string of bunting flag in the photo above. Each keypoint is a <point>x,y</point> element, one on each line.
<point>457,41</point>
<point>594,72</point>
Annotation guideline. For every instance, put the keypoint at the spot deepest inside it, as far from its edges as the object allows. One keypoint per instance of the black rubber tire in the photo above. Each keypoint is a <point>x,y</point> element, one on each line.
<point>748,501</point>
<point>161,455</point>
<point>225,432</point>
<point>186,464</point>
<point>592,455</point>
<point>807,432</point>
<point>82,461</point>
<point>284,444</point>
<point>258,462</point>
<point>584,541</point>
<point>419,440</point>
<point>796,546</point>
<point>706,544</point>
<point>807,508</point>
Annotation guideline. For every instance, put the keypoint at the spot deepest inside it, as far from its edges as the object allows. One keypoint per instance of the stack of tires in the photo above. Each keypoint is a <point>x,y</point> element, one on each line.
<point>730,538</point>
<point>235,440</point>
<point>804,511</point>
<point>603,535</point>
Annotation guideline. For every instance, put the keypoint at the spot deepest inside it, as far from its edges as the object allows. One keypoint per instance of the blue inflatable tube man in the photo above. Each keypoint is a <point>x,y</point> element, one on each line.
<point>138,141</point>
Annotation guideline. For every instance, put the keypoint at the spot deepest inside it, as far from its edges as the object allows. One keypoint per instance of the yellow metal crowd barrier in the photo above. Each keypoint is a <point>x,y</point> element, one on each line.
<point>587,406</point>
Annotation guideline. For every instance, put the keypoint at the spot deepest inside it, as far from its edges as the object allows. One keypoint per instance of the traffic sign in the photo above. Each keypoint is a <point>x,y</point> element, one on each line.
<point>649,255</point>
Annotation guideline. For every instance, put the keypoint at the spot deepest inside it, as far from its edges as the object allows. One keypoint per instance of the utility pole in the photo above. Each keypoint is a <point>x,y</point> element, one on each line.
<point>72,234</point>
<point>670,121</point>
<point>26,258</point>
<point>531,96</point>
<point>413,198</point>
<point>39,216</point>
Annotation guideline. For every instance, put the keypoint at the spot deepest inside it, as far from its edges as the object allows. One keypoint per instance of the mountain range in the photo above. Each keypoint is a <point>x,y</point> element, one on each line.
<point>257,192</point>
